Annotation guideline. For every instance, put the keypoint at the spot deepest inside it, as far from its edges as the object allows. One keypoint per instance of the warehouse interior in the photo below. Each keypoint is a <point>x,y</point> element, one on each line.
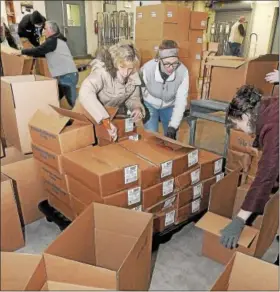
<point>114,176</point>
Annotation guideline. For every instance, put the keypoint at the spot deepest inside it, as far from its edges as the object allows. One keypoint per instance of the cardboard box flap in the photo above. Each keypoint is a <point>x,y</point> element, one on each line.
<point>226,63</point>
<point>112,111</point>
<point>223,194</point>
<point>214,223</point>
<point>269,226</point>
<point>9,50</point>
<point>53,124</point>
<point>58,286</point>
<point>267,58</point>
<point>70,114</point>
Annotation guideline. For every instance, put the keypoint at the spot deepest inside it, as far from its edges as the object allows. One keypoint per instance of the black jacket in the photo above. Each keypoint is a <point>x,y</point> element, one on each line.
<point>48,46</point>
<point>27,29</point>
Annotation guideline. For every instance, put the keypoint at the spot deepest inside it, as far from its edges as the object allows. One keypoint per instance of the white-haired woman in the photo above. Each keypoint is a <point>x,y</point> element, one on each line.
<point>113,81</point>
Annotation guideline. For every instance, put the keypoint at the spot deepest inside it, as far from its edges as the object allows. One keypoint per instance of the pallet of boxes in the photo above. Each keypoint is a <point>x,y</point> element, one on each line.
<point>155,23</point>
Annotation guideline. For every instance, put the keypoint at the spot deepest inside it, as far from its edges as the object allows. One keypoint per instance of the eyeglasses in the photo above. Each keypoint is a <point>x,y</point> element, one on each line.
<point>173,65</point>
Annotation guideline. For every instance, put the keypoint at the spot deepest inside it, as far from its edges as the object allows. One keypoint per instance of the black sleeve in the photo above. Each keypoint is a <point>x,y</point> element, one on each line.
<point>48,46</point>
<point>242,30</point>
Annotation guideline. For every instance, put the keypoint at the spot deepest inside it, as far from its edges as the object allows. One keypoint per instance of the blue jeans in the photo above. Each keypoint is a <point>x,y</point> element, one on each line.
<point>155,115</point>
<point>235,49</point>
<point>67,86</point>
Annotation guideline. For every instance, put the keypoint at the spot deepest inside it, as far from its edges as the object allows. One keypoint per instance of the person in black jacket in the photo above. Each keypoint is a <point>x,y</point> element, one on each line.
<point>31,27</point>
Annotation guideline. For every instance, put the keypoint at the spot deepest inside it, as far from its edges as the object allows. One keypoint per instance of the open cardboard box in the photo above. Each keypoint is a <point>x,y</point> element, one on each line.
<point>246,273</point>
<point>108,245</point>
<point>242,142</point>
<point>21,97</point>
<point>42,67</point>
<point>61,132</point>
<point>252,241</point>
<point>237,160</point>
<point>239,71</point>
<point>26,173</point>
<point>171,157</point>
<point>126,126</point>
<point>110,169</point>
<point>15,65</point>
<point>59,286</point>
<point>12,226</point>
<point>17,269</point>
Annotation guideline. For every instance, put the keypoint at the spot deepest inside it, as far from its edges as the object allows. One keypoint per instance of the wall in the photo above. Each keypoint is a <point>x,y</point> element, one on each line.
<point>3,11</point>
<point>263,14</point>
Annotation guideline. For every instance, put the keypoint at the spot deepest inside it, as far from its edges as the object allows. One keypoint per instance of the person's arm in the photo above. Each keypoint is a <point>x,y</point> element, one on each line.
<point>180,103</point>
<point>88,96</point>
<point>241,30</point>
<point>48,46</point>
<point>268,171</point>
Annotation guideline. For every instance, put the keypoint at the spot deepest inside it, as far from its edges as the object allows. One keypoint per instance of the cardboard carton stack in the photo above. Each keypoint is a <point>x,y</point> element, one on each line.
<point>52,135</point>
<point>172,22</point>
<point>242,155</point>
<point>254,240</point>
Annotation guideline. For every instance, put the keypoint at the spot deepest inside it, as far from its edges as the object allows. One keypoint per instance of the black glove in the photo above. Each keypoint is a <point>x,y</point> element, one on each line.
<point>231,233</point>
<point>171,133</point>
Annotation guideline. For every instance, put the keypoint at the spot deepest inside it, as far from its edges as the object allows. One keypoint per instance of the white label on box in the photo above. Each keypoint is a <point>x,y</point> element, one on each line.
<point>218,166</point>
<point>219,176</point>
<point>129,125</point>
<point>197,191</point>
<point>166,168</point>
<point>130,174</point>
<point>134,196</point>
<point>138,208</point>
<point>156,48</point>
<point>193,158</point>
<point>199,40</point>
<point>153,14</point>
<point>170,218</point>
<point>196,205</point>
<point>169,14</point>
<point>168,187</point>
<point>195,176</point>
<point>197,56</point>
<point>203,23</point>
<point>139,15</point>
<point>134,137</point>
<point>168,203</point>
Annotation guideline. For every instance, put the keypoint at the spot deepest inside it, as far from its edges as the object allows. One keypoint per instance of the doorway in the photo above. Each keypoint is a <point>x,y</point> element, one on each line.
<point>70,16</point>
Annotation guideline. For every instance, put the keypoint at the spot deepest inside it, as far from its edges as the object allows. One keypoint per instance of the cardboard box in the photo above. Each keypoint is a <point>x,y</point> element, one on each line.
<point>59,286</point>
<point>124,265</point>
<point>195,52</point>
<point>164,220</point>
<point>61,132</point>
<point>196,37</point>
<point>26,173</point>
<point>167,204</point>
<point>210,164</point>
<point>48,157</point>
<point>52,188</point>
<point>171,157</point>
<point>213,47</point>
<point>252,241</point>
<point>198,20</point>
<point>42,67</point>
<point>236,72</point>
<point>155,14</point>
<point>49,174</point>
<point>242,142</point>
<point>184,18</point>
<point>188,178</point>
<point>12,237</point>
<point>13,155</point>
<point>15,65</point>
<point>19,102</point>
<point>193,67</point>
<point>110,169</point>
<point>246,273</point>
<point>157,193</point>
<point>2,150</point>
<point>236,160</point>
<point>17,269</point>
<point>62,207</point>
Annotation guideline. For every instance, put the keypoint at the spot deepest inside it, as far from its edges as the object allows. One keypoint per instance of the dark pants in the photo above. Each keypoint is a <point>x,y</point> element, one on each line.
<point>235,49</point>
<point>67,87</point>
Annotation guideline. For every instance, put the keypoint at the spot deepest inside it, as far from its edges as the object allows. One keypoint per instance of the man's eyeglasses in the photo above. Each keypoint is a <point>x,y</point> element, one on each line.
<point>173,65</point>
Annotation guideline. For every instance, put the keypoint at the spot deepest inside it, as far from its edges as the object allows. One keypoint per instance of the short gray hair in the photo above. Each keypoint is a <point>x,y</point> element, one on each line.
<point>53,26</point>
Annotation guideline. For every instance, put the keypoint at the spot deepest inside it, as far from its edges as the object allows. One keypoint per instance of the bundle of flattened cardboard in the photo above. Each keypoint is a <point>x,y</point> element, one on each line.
<point>242,155</point>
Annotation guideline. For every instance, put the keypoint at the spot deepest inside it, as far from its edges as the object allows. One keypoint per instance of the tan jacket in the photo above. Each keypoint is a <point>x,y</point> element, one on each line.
<point>99,89</point>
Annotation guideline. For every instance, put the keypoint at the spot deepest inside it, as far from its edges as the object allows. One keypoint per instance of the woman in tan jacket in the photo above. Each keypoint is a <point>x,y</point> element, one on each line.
<point>113,81</point>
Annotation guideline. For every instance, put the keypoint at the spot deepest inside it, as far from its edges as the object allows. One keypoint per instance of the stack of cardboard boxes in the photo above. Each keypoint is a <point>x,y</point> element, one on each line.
<point>155,23</point>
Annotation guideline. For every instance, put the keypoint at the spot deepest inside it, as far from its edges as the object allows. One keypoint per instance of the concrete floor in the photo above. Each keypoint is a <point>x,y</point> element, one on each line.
<point>178,264</point>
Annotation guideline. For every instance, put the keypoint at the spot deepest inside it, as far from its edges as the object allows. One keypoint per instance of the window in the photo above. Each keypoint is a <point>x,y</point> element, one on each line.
<point>73,15</point>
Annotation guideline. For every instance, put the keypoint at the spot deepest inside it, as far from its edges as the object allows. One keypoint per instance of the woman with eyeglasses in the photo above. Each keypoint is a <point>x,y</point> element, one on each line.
<point>165,84</point>
<point>257,115</point>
